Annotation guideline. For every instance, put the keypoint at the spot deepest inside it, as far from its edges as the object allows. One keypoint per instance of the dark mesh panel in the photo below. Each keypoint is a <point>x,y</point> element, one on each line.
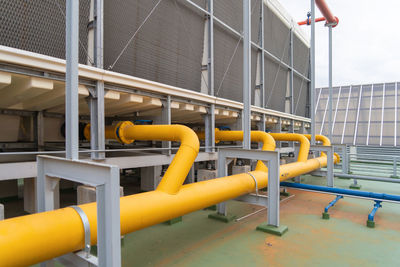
<point>39,26</point>
<point>275,85</point>
<point>230,12</point>
<point>300,87</point>
<point>167,49</point>
<point>276,36</point>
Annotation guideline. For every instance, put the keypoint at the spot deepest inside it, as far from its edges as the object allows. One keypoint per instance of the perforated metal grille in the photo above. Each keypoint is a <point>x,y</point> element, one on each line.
<point>39,26</point>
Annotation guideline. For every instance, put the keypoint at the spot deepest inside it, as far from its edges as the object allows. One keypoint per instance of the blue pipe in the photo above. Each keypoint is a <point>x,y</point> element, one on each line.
<point>377,205</point>
<point>333,203</point>
<point>343,191</point>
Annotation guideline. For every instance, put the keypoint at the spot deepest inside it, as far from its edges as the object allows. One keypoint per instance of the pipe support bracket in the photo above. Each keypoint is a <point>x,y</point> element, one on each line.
<point>86,226</point>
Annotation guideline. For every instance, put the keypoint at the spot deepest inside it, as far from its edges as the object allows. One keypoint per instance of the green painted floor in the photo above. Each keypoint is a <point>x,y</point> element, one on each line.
<point>344,240</point>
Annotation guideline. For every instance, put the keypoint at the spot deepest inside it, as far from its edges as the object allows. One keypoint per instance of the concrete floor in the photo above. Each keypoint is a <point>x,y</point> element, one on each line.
<point>344,240</point>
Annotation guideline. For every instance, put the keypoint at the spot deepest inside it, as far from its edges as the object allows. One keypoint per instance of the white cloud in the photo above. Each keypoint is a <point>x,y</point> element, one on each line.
<point>365,43</point>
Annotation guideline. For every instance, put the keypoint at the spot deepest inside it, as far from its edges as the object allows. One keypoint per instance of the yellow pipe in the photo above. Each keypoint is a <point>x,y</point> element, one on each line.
<point>51,234</point>
<point>126,132</point>
<point>325,142</point>
<point>256,136</point>
<point>304,143</point>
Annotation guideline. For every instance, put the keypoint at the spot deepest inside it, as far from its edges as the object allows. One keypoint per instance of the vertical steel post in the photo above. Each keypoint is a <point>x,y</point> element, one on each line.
<point>291,56</point>
<point>262,67</point>
<point>166,119</point>
<point>273,192</point>
<point>312,62</point>
<point>71,80</point>
<point>97,138</point>
<point>395,114</point>
<point>246,122</point>
<point>209,118</point>
<point>330,99</point>
<point>262,70</point>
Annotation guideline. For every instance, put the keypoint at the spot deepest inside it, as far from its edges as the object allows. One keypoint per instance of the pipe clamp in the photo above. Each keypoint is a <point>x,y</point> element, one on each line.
<point>255,180</point>
<point>86,226</point>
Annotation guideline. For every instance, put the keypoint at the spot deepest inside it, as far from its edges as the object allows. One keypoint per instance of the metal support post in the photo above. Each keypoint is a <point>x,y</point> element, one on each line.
<point>329,155</point>
<point>262,69</point>
<point>330,99</point>
<point>96,101</point>
<point>209,129</point>
<point>394,168</point>
<point>246,74</point>
<point>271,159</point>
<point>106,180</point>
<point>71,80</point>
<point>291,56</point>
<point>209,118</point>
<point>40,130</point>
<point>312,72</point>
<point>166,119</point>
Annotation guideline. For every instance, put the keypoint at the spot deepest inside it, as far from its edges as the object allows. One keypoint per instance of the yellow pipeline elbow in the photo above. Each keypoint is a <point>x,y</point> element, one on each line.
<point>304,143</point>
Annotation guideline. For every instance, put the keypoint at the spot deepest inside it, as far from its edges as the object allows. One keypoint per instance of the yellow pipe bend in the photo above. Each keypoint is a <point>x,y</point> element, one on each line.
<point>325,142</point>
<point>256,136</point>
<point>126,132</point>
<point>304,143</point>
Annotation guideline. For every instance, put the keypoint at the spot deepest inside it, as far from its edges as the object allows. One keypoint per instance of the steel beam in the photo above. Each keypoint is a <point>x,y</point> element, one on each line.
<point>71,80</point>
<point>166,119</point>
<point>106,180</point>
<point>312,62</point>
<point>271,159</point>
<point>330,99</point>
<point>246,119</point>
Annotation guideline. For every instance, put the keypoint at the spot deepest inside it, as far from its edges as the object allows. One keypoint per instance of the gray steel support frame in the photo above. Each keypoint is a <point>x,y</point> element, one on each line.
<point>291,73</point>
<point>71,80</point>
<point>246,119</point>
<point>106,180</point>
<point>209,118</point>
<point>96,101</point>
<point>238,34</point>
<point>166,119</point>
<point>40,130</point>
<point>330,99</point>
<point>312,73</point>
<point>269,158</point>
<point>209,129</point>
<point>345,158</point>
<point>329,155</point>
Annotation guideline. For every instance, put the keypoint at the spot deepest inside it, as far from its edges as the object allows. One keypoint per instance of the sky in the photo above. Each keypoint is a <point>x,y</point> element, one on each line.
<point>366,43</point>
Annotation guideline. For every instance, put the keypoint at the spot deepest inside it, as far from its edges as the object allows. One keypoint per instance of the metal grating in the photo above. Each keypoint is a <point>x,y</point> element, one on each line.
<point>39,26</point>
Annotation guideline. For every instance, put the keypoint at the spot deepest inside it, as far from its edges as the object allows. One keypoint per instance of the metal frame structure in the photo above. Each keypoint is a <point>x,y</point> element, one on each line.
<point>269,158</point>
<point>329,165</point>
<point>106,180</point>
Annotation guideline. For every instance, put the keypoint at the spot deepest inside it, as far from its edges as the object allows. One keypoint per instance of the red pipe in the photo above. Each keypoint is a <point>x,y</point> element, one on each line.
<point>328,16</point>
<point>323,7</point>
<point>308,21</point>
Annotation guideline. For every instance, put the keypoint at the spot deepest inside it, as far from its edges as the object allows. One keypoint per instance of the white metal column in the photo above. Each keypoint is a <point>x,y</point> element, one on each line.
<point>312,62</point>
<point>71,80</point>
<point>246,120</point>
